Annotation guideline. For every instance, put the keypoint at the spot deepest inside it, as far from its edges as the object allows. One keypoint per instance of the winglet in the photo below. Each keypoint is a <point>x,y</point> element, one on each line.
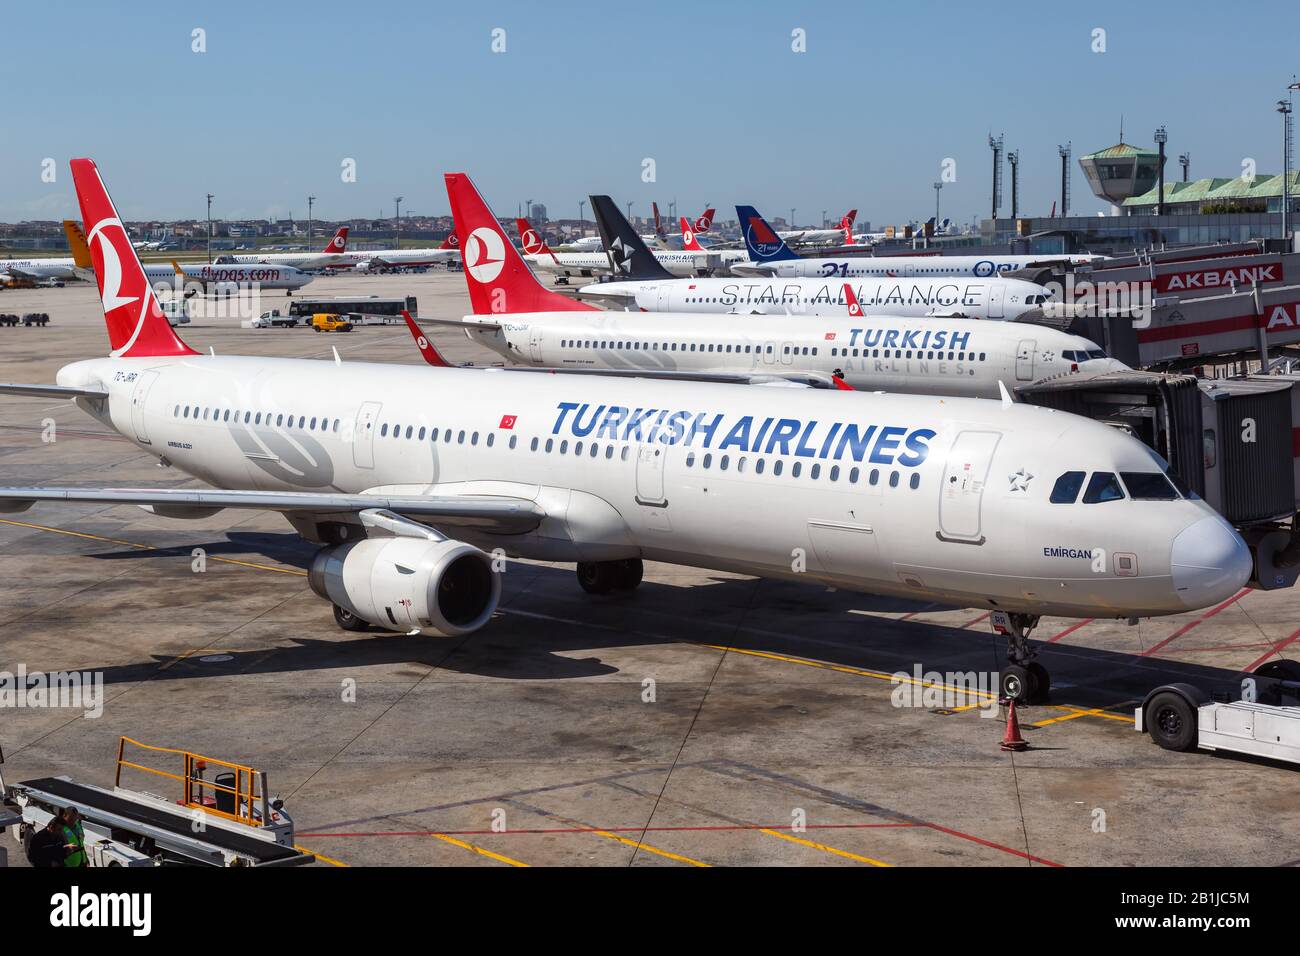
<point>1007,400</point>
<point>842,385</point>
<point>429,353</point>
<point>855,309</point>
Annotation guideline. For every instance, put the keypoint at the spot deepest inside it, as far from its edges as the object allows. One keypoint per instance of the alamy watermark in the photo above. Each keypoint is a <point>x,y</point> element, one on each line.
<point>40,690</point>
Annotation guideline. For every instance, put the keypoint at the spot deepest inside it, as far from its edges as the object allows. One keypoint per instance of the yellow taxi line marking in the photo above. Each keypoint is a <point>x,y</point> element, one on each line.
<point>824,848</point>
<point>324,859</point>
<point>147,547</point>
<point>649,849</point>
<point>477,849</point>
<point>1074,712</point>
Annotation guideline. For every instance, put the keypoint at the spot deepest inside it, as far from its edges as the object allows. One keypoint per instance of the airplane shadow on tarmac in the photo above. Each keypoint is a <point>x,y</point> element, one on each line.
<point>548,629</point>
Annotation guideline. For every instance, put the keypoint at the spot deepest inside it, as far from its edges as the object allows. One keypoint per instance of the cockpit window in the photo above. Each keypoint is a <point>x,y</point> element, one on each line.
<point>1148,486</point>
<point>1103,486</point>
<point>1067,488</point>
<point>1096,353</point>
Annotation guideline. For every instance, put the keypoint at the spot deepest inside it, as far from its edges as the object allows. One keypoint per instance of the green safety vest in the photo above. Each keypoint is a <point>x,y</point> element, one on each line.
<point>75,835</point>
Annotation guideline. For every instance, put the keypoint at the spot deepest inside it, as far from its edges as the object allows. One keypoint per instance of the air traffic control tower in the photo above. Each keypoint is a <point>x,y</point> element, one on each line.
<point>1120,172</point>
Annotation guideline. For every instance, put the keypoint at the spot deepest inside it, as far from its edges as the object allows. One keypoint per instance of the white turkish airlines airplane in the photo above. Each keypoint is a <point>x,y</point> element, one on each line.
<point>369,259</point>
<point>403,473</point>
<point>816,237</point>
<point>333,251</point>
<point>590,264</point>
<point>960,357</point>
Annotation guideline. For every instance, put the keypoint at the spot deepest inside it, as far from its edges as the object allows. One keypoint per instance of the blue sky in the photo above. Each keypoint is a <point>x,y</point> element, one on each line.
<point>712,92</point>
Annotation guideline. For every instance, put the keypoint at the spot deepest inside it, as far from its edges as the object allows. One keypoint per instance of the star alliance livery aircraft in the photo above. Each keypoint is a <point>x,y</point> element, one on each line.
<point>405,474</point>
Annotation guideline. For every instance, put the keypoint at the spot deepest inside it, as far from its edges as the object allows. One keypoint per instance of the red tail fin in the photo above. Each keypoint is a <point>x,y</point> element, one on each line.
<point>451,242</point>
<point>847,227</point>
<point>705,222</point>
<point>339,243</point>
<point>855,310</point>
<point>431,354</point>
<point>659,226</point>
<point>689,242</point>
<point>498,278</point>
<point>136,324</point>
<point>851,217</point>
<point>531,239</point>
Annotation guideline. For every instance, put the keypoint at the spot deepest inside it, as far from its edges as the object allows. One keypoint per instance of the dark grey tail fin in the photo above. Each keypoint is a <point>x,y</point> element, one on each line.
<point>628,256</point>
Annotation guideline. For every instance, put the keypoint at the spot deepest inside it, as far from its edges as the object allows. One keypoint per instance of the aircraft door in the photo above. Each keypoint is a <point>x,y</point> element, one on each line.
<point>138,397</point>
<point>665,299</point>
<point>363,436</point>
<point>535,342</point>
<point>964,478</point>
<point>995,301</point>
<point>1025,360</point>
<point>769,353</point>
<point>650,462</point>
<point>787,353</point>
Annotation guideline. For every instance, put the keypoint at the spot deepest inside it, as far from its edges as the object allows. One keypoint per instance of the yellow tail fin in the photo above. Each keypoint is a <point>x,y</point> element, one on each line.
<point>77,243</point>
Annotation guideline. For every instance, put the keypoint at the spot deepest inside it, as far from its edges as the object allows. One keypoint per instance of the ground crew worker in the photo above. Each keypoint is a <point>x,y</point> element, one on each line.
<point>74,839</point>
<point>46,846</point>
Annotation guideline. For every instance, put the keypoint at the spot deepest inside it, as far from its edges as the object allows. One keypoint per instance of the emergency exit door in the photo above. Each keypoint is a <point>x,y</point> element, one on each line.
<point>964,479</point>
<point>363,438</point>
<point>138,397</point>
<point>995,301</point>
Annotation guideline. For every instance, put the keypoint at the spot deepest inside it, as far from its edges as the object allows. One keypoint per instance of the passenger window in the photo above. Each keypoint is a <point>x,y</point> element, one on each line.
<point>1066,489</point>
<point>1102,486</point>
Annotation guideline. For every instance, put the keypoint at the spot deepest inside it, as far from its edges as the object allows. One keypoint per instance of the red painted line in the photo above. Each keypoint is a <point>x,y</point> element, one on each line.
<point>992,845</point>
<point>636,829</point>
<point>1191,624</point>
<point>1276,647</point>
<point>1071,629</point>
<point>978,619</point>
<point>1224,647</point>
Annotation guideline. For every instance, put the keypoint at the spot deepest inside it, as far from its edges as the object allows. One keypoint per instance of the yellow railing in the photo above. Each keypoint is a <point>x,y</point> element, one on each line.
<point>246,792</point>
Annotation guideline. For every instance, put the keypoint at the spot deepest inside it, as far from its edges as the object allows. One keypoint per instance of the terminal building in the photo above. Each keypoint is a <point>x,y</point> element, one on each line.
<point>1230,209</point>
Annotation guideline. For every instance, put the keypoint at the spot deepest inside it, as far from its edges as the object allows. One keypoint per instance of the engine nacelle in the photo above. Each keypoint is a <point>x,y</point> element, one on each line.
<point>405,583</point>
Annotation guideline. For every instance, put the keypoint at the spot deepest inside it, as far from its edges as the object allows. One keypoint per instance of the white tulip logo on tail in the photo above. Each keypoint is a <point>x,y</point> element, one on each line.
<point>484,255</point>
<point>532,245</point>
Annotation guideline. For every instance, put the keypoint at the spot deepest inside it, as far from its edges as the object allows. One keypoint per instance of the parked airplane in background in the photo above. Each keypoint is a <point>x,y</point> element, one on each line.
<point>368,259</point>
<point>189,278</point>
<point>958,501</point>
<point>14,271</point>
<point>335,248</point>
<point>960,357</point>
<point>811,237</point>
<point>770,256</point>
<point>590,264</point>
<point>656,291</point>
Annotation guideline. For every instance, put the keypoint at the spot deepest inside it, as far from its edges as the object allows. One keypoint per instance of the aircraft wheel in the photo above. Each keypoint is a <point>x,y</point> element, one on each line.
<point>1042,683</point>
<point>349,621</point>
<point>596,577</point>
<point>1171,721</point>
<point>627,574</point>
<point>1017,683</point>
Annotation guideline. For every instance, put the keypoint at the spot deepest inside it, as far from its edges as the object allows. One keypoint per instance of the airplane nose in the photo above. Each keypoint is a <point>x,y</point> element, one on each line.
<point>1210,563</point>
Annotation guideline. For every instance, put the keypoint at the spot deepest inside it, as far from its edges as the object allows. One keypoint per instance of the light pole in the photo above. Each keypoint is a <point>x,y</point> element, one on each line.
<point>629,212</point>
<point>1013,159</point>
<point>825,221</point>
<point>792,217</point>
<point>996,146</point>
<point>1064,152</point>
<point>937,187</point>
<point>1284,107</point>
<point>310,201</point>
<point>582,223</point>
<point>1185,161</point>
<point>209,228</point>
<point>1161,138</point>
<point>397,227</point>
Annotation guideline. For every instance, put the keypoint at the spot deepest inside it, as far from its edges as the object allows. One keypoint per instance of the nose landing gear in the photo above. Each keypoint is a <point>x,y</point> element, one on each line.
<point>1023,679</point>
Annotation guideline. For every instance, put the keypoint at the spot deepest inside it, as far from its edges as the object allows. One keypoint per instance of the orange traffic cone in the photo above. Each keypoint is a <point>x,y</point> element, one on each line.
<point>1012,740</point>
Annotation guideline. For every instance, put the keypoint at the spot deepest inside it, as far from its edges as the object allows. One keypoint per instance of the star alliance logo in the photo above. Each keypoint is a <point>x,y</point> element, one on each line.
<point>620,257</point>
<point>1020,480</point>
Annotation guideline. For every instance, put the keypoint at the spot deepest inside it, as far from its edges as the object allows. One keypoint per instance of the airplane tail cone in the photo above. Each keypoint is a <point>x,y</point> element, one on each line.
<point>1011,739</point>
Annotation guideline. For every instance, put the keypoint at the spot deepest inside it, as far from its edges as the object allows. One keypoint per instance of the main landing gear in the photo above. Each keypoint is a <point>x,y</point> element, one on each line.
<point>1023,680</point>
<point>601,577</point>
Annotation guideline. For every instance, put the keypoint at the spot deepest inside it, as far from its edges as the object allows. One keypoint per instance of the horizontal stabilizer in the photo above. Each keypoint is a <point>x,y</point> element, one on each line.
<point>52,391</point>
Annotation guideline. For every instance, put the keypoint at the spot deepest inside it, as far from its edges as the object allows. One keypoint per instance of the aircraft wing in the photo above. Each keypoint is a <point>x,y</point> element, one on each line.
<point>799,379</point>
<point>11,273</point>
<point>506,515</point>
<point>51,391</point>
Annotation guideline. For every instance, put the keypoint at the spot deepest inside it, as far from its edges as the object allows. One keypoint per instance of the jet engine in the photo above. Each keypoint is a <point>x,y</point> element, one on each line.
<point>404,583</point>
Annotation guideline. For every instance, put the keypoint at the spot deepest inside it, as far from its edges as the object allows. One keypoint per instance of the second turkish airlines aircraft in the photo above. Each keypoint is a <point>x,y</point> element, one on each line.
<point>368,259</point>
<point>405,474</point>
<point>335,248</point>
<point>591,264</point>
